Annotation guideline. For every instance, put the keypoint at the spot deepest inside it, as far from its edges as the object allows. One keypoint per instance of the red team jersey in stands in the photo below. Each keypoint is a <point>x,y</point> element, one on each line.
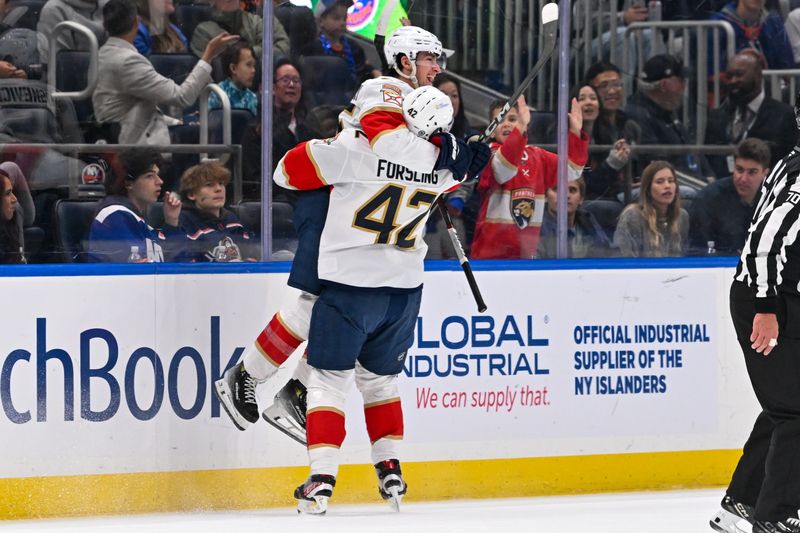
<point>378,208</point>
<point>513,190</point>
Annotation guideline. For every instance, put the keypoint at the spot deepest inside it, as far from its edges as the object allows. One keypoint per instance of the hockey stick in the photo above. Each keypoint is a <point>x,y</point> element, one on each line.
<point>549,28</point>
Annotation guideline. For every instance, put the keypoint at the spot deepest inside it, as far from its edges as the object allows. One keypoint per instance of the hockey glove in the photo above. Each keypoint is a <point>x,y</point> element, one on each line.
<point>481,154</point>
<point>454,155</point>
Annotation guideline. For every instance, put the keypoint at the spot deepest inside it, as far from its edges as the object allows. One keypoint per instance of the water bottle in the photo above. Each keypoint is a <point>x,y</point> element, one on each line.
<point>134,257</point>
<point>712,250</point>
<point>654,10</point>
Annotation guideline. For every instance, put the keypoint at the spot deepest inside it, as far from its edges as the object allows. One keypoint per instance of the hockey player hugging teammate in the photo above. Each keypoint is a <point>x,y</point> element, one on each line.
<point>370,263</point>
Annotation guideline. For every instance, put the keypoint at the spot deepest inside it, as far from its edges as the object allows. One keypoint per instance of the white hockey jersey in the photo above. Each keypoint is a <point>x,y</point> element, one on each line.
<point>377,213</point>
<point>377,110</point>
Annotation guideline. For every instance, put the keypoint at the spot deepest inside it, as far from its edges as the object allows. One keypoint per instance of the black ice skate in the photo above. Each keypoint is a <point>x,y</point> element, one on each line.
<point>789,525</point>
<point>236,390</point>
<point>312,496</point>
<point>729,518</point>
<point>288,411</point>
<point>391,485</point>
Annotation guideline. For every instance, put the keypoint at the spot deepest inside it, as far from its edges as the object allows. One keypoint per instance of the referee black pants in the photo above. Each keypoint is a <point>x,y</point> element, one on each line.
<point>768,474</point>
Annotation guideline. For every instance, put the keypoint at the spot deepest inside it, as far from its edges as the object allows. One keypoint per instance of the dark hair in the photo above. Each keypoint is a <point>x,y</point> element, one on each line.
<point>598,68</point>
<point>135,162</point>
<point>460,124</point>
<point>10,242</point>
<point>498,104</point>
<point>755,150</point>
<point>232,54</point>
<point>119,17</point>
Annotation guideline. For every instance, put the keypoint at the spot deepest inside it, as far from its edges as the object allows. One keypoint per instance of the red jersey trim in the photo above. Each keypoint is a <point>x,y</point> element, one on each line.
<point>300,169</point>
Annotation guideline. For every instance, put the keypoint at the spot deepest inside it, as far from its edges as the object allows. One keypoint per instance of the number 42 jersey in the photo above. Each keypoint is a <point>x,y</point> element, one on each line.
<point>373,231</point>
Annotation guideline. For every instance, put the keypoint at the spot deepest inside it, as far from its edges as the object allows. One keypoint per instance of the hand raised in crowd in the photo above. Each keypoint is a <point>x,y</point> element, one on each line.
<point>619,155</point>
<point>765,329</point>
<point>172,208</point>
<point>217,45</point>
<point>634,14</point>
<point>8,70</point>
<point>524,114</point>
<point>575,117</point>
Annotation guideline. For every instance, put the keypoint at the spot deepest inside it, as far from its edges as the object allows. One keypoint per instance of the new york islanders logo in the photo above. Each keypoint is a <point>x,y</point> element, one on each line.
<point>361,14</point>
<point>522,207</point>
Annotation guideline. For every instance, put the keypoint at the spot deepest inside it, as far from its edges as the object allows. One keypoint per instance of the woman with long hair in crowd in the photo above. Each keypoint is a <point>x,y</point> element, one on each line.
<point>655,226</point>
<point>10,224</point>
<point>157,34</point>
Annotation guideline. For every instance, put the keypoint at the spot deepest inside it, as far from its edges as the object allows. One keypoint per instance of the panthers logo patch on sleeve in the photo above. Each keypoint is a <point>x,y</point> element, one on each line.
<point>523,204</point>
<point>392,95</point>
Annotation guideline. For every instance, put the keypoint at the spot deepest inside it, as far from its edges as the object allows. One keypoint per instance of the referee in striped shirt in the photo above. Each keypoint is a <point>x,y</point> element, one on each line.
<point>765,308</point>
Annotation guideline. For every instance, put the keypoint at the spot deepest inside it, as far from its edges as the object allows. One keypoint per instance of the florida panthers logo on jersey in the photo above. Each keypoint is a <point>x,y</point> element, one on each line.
<point>392,94</point>
<point>523,204</point>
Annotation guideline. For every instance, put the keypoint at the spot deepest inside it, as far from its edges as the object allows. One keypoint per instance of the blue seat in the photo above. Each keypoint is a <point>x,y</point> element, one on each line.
<point>188,16</point>
<point>72,69</point>
<point>240,119</point>
<point>174,66</point>
<point>72,223</point>
<point>606,212</point>
<point>542,128</point>
<point>327,80</point>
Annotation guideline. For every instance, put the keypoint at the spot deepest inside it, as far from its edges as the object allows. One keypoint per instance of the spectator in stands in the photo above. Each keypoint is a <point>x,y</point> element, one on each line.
<point>436,236</point>
<point>25,206</point>
<point>792,27</point>
<point>721,213</point>
<point>585,237</point>
<point>228,17</point>
<point>754,27</point>
<point>604,170</point>
<point>119,230</point>
<point>129,90</point>
<point>290,123</point>
<point>654,107</point>
<point>655,226</point>
<point>10,224</point>
<point>748,112</point>
<point>214,233</point>
<point>512,187</point>
<point>157,34</point>
<point>240,65</point>
<point>87,13</point>
<point>332,41</point>
<point>299,23</point>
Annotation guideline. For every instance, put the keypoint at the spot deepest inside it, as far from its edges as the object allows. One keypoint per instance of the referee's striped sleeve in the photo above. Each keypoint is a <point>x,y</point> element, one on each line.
<point>777,227</point>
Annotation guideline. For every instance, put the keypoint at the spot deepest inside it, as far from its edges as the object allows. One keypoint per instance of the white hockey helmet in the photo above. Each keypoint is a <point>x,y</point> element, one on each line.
<point>410,40</point>
<point>427,111</point>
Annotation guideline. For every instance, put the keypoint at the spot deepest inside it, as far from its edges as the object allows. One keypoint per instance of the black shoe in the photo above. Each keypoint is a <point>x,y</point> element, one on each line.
<point>288,411</point>
<point>236,390</point>
<point>391,485</point>
<point>312,496</point>
<point>730,515</point>
<point>788,525</point>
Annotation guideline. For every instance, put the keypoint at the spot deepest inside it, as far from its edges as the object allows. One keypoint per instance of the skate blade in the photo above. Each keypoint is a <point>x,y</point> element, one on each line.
<point>274,417</point>
<point>394,499</point>
<point>224,397</point>
<point>725,522</point>
<point>318,506</point>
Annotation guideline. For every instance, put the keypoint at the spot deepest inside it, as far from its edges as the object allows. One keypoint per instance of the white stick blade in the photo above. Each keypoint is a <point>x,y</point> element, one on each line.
<point>549,13</point>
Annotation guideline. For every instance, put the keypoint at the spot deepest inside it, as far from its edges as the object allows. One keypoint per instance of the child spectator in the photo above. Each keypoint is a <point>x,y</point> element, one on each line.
<point>512,188</point>
<point>239,63</point>
<point>656,226</point>
<point>119,232</point>
<point>10,224</point>
<point>214,233</point>
<point>585,237</point>
<point>332,21</point>
<point>157,35</point>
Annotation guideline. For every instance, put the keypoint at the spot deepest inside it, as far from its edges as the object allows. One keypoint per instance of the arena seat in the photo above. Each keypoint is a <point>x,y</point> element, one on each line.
<point>30,18</point>
<point>72,222</point>
<point>327,80</point>
<point>240,118</point>
<point>174,66</point>
<point>606,212</point>
<point>542,128</point>
<point>188,16</point>
<point>72,67</point>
